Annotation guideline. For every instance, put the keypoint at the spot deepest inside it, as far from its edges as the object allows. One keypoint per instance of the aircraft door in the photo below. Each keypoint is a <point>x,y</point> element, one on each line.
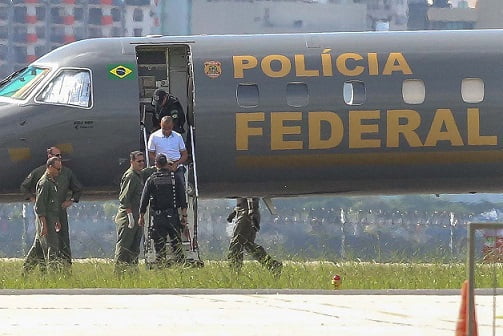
<point>162,67</point>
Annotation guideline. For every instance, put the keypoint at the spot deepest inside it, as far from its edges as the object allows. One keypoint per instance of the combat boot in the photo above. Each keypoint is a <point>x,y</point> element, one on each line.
<point>276,267</point>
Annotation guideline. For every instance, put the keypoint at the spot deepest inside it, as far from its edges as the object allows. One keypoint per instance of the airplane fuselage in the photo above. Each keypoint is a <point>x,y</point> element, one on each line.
<point>280,115</point>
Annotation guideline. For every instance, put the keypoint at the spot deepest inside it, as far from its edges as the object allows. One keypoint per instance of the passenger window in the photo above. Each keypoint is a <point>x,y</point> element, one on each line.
<point>69,87</point>
<point>297,94</point>
<point>247,95</point>
<point>354,92</point>
<point>413,91</point>
<point>472,90</point>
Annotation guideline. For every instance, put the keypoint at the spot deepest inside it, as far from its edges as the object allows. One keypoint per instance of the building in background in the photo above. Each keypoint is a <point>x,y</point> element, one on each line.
<point>224,16</point>
<point>489,14</point>
<point>418,15</point>
<point>173,17</point>
<point>31,28</point>
<point>460,17</point>
<point>185,17</point>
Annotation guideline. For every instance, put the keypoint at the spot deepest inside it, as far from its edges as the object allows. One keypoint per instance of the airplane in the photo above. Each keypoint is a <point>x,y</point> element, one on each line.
<point>271,115</point>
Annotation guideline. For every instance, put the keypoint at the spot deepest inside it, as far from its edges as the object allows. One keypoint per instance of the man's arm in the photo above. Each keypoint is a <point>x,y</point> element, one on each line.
<point>41,208</point>
<point>151,148</point>
<point>183,152</point>
<point>41,200</point>
<point>76,187</point>
<point>151,155</point>
<point>29,185</point>
<point>27,188</point>
<point>145,197</point>
<point>125,196</point>
<point>181,115</point>
<point>146,172</point>
<point>184,156</point>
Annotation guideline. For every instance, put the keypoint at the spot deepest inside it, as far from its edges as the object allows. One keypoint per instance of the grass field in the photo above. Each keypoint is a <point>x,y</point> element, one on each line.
<point>296,275</point>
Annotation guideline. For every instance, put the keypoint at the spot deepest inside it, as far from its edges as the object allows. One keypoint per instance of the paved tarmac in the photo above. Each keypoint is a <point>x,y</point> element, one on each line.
<point>240,312</point>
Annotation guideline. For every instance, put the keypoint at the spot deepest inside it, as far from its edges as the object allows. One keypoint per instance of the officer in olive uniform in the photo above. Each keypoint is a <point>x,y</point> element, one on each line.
<point>165,197</point>
<point>129,233</point>
<point>67,182</point>
<point>247,218</point>
<point>47,209</point>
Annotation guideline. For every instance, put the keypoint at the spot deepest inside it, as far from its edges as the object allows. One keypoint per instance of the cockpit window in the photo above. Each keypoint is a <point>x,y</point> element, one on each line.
<point>20,83</point>
<point>69,87</point>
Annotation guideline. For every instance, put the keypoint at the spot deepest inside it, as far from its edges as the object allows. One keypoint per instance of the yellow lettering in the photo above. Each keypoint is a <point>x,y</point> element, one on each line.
<point>396,62</point>
<point>243,129</point>
<point>242,63</point>
<point>443,117</point>
<point>326,63</point>
<point>300,67</point>
<point>373,64</point>
<point>284,69</point>
<point>279,130</point>
<point>336,130</point>
<point>473,125</point>
<point>341,64</point>
<point>357,129</point>
<point>403,122</point>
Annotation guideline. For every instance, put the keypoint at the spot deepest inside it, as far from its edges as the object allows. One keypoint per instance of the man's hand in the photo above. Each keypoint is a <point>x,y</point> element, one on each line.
<point>186,233</point>
<point>173,167</point>
<point>57,226</point>
<point>141,221</point>
<point>231,216</point>
<point>183,220</point>
<point>43,226</point>
<point>67,204</point>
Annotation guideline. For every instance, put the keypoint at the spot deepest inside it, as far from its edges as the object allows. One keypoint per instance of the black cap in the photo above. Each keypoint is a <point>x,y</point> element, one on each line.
<point>161,159</point>
<point>158,96</point>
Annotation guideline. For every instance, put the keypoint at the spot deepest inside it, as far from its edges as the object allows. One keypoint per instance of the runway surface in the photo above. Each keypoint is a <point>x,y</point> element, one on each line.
<point>240,312</point>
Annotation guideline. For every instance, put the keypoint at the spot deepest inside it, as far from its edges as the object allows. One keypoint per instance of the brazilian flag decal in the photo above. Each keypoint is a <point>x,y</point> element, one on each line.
<point>121,71</point>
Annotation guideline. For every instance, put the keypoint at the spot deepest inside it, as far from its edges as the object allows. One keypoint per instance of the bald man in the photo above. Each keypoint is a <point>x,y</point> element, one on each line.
<point>67,183</point>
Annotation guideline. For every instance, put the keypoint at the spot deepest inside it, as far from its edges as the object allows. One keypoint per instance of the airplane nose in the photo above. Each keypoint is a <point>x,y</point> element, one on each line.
<point>14,152</point>
<point>4,106</point>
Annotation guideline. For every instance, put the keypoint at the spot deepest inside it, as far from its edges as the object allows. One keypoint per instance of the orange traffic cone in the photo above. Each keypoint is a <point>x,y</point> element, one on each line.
<point>461,326</point>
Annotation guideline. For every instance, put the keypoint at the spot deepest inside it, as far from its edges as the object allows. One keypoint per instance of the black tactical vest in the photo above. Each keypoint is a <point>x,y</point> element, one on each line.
<point>163,196</point>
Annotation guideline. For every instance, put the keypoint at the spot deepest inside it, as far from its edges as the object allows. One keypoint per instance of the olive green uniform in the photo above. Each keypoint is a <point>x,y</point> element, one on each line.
<point>247,224</point>
<point>127,248</point>
<point>47,205</point>
<point>67,182</point>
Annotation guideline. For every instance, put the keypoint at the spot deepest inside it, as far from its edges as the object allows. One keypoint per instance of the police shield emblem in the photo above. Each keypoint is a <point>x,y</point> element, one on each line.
<point>212,69</point>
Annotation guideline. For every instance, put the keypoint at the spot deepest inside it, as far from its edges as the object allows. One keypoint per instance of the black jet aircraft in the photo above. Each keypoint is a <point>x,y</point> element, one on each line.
<point>271,115</point>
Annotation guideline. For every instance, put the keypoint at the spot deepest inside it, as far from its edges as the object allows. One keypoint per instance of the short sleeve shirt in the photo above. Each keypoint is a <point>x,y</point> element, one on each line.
<point>171,145</point>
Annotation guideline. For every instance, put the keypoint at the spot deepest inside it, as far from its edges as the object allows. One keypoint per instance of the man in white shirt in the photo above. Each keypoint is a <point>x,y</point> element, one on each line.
<point>170,143</point>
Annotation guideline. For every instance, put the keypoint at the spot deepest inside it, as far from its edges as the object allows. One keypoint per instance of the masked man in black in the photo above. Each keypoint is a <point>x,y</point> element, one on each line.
<point>168,105</point>
<point>165,198</point>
